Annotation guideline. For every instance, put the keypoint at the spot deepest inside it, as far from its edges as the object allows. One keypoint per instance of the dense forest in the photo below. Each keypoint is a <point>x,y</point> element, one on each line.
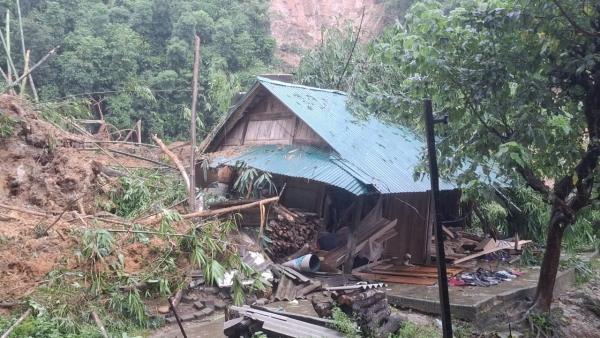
<point>132,60</point>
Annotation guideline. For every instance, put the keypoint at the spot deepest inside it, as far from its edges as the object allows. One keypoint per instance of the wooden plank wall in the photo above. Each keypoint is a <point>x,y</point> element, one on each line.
<point>271,122</point>
<point>412,226</point>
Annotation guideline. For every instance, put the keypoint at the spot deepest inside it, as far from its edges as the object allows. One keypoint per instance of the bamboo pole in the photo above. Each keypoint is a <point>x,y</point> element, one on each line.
<point>99,324</point>
<point>50,53</point>
<point>175,160</point>
<point>24,83</point>
<point>22,318</point>
<point>31,84</point>
<point>192,188</point>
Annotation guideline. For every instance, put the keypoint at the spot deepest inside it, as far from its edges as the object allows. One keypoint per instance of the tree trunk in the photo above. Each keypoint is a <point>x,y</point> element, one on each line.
<point>549,268</point>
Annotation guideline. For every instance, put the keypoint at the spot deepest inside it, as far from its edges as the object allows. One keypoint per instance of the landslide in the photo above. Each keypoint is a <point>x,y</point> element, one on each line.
<point>45,170</point>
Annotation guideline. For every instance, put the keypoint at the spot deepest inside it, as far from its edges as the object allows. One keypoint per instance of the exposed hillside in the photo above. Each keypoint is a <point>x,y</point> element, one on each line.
<point>296,24</point>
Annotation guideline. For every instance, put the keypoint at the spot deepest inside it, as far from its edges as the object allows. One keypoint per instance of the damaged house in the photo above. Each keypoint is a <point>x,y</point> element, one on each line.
<point>329,160</point>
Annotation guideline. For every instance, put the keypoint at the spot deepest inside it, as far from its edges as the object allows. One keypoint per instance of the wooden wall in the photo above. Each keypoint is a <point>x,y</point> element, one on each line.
<point>412,210</point>
<point>271,122</point>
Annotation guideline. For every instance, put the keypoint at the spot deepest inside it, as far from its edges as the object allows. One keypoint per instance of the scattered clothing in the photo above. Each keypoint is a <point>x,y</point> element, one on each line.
<point>482,277</point>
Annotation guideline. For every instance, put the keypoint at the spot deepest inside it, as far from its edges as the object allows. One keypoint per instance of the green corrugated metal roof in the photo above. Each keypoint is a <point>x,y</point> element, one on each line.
<point>295,161</point>
<point>373,152</point>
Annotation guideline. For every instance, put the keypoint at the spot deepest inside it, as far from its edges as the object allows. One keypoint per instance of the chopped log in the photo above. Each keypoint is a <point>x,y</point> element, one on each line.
<point>99,324</point>
<point>393,324</point>
<point>373,322</point>
<point>349,299</point>
<point>279,210</point>
<point>372,310</point>
<point>368,301</point>
<point>323,309</point>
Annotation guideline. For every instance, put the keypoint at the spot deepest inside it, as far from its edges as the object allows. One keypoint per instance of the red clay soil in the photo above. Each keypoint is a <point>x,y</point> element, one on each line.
<point>43,169</point>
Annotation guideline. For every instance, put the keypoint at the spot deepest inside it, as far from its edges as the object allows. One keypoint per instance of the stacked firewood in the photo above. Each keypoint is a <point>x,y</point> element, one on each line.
<point>289,232</point>
<point>370,308</point>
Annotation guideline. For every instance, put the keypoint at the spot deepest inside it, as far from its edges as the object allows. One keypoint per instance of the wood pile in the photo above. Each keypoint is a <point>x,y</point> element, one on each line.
<point>290,232</point>
<point>370,309</point>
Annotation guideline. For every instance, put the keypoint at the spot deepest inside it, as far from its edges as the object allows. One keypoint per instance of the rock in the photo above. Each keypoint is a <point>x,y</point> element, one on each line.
<point>223,295</point>
<point>220,305</point>
<point>261,302</point>
<point>164,309</point>
<point>186,318</point>
<point>250,299</point>
<point>196,283</point>
<point>211,290</point>
<point>199,305</point>
<point>170,320</point>
<point>188,299</point>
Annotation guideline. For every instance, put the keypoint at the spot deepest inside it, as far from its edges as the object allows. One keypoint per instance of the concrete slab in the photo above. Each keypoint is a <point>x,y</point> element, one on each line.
<point>474,303</point>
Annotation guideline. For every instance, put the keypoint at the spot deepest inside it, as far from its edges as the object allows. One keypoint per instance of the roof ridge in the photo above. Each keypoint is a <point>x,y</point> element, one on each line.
<point>264,79</point>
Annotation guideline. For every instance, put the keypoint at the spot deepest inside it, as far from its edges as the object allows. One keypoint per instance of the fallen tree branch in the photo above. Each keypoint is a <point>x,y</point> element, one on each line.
<point>22,318</point>
<point>31,212</point>
<point>175,160</point>
<point>131,155</point>
<point>147,232</point>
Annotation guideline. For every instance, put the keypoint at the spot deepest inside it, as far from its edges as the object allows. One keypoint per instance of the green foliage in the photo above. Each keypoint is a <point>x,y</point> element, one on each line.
<point>343,323</point>
<point>412,330</point>
<point>250,180</point>
<point>148,189</point>
<point>97,244</point>
<point>133,59</point>
<point>7,125</point>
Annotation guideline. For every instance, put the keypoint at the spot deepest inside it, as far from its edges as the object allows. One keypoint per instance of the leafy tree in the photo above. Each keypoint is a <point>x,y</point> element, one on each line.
<point>115,53</point>
<point>521,85</point>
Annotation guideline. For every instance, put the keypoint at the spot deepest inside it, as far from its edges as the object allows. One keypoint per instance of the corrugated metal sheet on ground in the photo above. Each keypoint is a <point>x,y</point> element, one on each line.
<point>295,161</point>
<point>381,154</point>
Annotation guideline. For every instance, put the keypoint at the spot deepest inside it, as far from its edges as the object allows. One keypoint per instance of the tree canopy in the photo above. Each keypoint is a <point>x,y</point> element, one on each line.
<point>520,81</point>
<point>133,59</point>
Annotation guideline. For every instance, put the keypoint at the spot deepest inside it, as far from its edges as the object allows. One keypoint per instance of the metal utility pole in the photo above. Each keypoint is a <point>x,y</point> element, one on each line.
<point>439,233</point>
<point>192,202</point>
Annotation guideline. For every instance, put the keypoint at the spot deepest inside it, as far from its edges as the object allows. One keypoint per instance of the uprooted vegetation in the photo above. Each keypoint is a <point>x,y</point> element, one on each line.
<point>73,240</point>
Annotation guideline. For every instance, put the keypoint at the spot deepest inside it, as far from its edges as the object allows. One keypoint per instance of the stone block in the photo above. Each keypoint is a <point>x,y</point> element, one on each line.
<point>208,303</point>
<point>188,299</point>
<point>220,305</point>
<point>170,320</point>
<point>199,305</point>
<point>199,314</point>
<point>208,311</point>
<point>186,317</point>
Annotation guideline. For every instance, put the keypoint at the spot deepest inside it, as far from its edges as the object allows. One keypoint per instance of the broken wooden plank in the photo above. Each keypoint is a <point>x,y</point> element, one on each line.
<point>396,279</point>
<point>502,246</point>
<point>448,232</point>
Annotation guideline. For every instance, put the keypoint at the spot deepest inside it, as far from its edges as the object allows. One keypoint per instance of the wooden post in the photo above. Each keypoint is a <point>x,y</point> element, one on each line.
<point>139,131</point>
<point>438,226</point>
<point>351,245</point>
<point>192,202</point>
